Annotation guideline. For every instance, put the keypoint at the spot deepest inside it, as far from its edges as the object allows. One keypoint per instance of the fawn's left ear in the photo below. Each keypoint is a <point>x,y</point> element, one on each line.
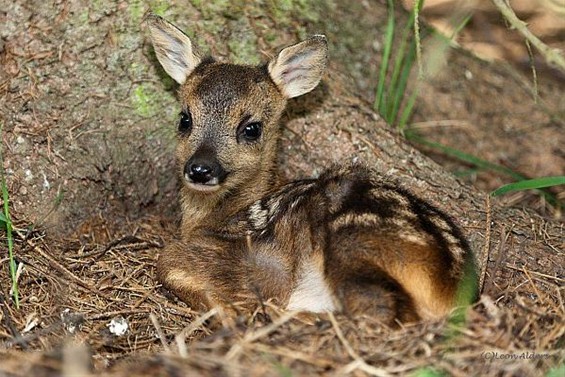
<point>173,48</point>
<point>298,68</point>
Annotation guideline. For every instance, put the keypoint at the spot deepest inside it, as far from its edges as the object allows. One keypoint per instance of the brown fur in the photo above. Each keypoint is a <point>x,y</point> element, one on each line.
<point>345,241</point>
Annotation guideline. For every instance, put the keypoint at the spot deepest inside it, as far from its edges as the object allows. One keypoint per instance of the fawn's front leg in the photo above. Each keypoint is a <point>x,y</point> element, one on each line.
<point>205,273</point>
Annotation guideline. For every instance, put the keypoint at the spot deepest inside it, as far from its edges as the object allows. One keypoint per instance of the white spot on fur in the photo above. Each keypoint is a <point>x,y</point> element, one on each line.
<point>258,215</point>
<point>457,252</point>
<point>274,206</point>
<point>402,223</point>
<point>450,238</point>
<point>380,193</point>
<point>312,293</point>
<point>354,219</point>
<point>440,223</point>
<point>406,213</point>
<point>414,238</point>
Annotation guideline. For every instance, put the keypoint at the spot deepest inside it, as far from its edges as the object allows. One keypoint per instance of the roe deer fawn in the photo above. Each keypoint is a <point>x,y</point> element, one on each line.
<point>345,241</point>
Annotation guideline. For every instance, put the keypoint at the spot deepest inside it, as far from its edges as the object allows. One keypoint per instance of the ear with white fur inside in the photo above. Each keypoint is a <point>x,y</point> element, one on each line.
<point>299,68</point>
<point>173,48</point>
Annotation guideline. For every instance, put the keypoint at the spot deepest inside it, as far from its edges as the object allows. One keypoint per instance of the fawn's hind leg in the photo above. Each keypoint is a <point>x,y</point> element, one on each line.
<point>371,292</point>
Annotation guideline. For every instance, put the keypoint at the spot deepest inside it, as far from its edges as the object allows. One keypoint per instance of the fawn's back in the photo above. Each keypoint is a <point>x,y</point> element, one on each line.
<point>343,242</point>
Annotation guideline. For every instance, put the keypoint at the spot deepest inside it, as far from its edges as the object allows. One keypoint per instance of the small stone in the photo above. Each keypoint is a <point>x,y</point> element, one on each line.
<point>71,321</point>
<point>118,326</point>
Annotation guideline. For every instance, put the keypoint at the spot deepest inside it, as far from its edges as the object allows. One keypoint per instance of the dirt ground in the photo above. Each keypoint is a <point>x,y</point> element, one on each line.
<point>87,138</point>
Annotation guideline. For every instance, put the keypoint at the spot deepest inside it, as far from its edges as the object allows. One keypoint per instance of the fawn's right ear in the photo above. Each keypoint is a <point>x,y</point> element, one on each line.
<point>299,68</point>
<point>173,48</point>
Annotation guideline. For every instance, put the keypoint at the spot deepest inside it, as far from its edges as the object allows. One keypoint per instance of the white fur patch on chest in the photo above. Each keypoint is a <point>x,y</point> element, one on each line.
<point>311,293</point>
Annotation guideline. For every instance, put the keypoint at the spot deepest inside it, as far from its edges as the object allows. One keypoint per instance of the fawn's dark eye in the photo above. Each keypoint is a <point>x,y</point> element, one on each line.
<point>250,131</point>
<point>185,122</point>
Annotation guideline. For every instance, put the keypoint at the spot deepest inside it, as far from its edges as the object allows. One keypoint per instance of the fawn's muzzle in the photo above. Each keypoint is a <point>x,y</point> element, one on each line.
<point>204,172</point>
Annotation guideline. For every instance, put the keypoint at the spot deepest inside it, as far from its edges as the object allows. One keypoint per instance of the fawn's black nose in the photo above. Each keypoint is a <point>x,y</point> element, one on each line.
<point>200,173</point>
<point>204,169</point>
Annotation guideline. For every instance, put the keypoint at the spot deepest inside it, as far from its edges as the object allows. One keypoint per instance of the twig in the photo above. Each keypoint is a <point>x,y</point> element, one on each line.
<point>181,336</point>
<point>236,349</point>
<point>160,332</point>
<point>32,336</point>
<point>293,355</point>
<point>127,241</point>
<point>105,315</point>
<point>9,324</point>
<point>556,278</point>
<point>500,256</point>
<point>358,362</point>
<point>57,266</point>
<point>552,56</point>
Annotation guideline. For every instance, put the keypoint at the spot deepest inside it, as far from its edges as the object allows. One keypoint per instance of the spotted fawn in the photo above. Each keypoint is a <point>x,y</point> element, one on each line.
<point>347,241</point>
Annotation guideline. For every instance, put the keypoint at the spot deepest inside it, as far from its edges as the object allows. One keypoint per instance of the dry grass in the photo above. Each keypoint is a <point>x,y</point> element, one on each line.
<point>72,289</point>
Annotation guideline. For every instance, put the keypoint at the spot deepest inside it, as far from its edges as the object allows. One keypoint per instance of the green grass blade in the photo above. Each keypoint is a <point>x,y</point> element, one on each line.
<point>9,235</point>
<point>462,156</point>
<point>464,21</point>
<point>400,88</point>
<point>480,163</point>
<point>399,59</point>
<point>415,20</point>
<point>408,109</point>
<point>387,48</point>
<point>403,63</point>
<point>530,184</point>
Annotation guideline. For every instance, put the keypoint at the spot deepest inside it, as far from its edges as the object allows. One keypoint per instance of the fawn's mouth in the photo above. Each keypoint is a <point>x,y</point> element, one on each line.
<point>209,186</point>
<point>203,188</point>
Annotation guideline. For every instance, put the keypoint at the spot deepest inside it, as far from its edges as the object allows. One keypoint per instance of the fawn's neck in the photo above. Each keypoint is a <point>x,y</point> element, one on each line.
<point>202,210</point>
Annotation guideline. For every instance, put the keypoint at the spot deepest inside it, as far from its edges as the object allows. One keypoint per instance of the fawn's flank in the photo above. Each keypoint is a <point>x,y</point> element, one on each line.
<point>346,241</point>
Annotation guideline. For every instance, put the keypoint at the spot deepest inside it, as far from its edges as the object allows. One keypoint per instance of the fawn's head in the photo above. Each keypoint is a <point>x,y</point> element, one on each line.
<point>228,128</point>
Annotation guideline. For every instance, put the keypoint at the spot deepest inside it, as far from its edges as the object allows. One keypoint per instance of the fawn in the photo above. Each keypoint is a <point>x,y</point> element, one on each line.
<point>345,241</point>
